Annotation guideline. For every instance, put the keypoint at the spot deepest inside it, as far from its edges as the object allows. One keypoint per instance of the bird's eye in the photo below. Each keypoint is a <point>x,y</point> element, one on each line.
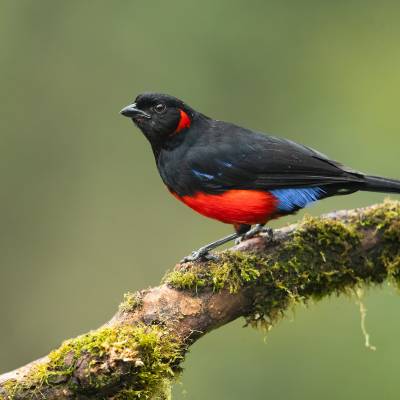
<point>159,108</point>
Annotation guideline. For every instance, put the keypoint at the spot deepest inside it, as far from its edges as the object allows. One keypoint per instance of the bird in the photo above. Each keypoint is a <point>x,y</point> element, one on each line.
<point>236,175</point>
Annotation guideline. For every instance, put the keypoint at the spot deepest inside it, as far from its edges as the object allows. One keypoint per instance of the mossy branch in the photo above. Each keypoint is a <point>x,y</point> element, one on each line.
<point>138,353</point>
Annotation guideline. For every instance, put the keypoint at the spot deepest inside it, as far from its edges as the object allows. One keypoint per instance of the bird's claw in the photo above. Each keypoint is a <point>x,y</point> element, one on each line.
<point>257,230</point>
<point>239,240</point>
<point>199,255</point>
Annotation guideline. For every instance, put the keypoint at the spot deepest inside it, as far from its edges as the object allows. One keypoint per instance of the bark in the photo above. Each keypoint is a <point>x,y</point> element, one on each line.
<point>139,351</point>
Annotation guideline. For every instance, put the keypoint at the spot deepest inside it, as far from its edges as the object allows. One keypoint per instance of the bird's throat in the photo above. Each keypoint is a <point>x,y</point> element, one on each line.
<point>184,122</point>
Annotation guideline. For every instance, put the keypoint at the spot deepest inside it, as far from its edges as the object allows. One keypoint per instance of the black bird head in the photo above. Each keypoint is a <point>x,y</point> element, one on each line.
<point>159,116</point>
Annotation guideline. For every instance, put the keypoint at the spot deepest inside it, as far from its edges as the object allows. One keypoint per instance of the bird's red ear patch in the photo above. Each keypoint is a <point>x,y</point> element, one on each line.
<point>184,122</point>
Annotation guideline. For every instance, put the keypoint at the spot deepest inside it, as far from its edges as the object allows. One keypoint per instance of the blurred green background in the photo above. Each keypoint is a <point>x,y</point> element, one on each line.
<point>85,217</point>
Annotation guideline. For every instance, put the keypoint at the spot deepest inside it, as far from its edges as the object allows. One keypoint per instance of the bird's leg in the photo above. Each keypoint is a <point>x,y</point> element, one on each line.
<point>243,232</point>
<point>257,229</point>
<point>203,252</point>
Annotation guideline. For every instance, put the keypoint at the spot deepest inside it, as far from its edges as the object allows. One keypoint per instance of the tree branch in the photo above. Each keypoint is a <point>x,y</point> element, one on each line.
<point>139,351</point>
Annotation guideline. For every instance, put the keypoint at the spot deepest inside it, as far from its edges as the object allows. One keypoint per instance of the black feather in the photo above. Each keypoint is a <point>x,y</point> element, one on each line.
<point>215,156</point>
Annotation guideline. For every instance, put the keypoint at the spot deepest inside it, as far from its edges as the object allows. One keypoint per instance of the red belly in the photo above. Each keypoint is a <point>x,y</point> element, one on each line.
<point>234,206</point>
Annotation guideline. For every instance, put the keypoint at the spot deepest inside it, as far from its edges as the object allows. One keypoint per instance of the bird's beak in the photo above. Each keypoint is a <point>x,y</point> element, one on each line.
<point>132,111</point>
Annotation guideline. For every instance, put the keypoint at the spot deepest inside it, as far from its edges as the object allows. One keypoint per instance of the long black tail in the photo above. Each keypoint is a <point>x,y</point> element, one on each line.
<point>378,184</point>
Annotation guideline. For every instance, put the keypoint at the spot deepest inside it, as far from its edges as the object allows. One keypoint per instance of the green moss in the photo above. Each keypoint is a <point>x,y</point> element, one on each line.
<point>131,302</point>
<point>319,259</point>
<point>11,388</point>
<point>141,359</point>
<point>386,221</point>
<point>233,271</point>
<point>163,393</point>
<point>193,279</point>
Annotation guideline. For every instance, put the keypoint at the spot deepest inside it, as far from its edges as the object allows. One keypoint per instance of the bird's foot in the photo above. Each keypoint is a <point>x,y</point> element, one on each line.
<point>201,254</point>
<point>257,230</point>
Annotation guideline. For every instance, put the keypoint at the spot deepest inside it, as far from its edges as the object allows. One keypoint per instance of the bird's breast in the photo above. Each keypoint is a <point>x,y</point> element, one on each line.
<point>234,206</point>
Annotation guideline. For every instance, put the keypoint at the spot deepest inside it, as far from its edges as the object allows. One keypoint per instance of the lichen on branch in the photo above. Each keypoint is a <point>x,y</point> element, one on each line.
<point>138,353</point>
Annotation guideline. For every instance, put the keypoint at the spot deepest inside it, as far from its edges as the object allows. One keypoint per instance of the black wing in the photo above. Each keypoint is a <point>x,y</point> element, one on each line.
<point>226,156</point>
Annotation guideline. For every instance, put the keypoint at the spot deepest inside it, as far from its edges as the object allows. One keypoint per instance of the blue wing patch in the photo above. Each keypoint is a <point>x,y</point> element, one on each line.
<point>202,175</point>
<point>209,177</point>
<point>292,199</point>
